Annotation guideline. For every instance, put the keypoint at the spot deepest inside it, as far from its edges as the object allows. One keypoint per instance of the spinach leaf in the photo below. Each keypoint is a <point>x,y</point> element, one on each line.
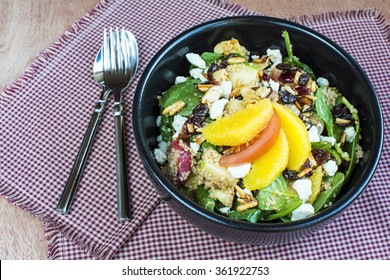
<point>293,60</point>
<point>352,147</point>
<point>327,196</point>
<point>210,57</point>
<point>272,197</point>
<point>324,113</point>
<point>166,129</point>
<point>203,199</point>
<point>251,215</point>
<point>186,92</point>
<point>291,204</point>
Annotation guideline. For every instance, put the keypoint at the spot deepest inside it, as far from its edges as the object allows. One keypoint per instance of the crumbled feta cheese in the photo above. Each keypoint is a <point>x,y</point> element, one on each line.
<point>217,107</point>
<point>158,121</point>
<point>330,140</point>
<point>178,122</point>
<point>303,188</point>
<point>255,56</point>
<point>226,88</point>
<point>275,56</point>
<point>163,146</point>
<point>265,83</point>
<point>197,73</point>
<point>274,85</point>
<point>240,171</point>
<point>302,212</point>
<point>330,167</point>
<point>194,147</point>
<point>224,210</point>
<point>322,82</point>
<point>196,60</point>
<point>180,79</point>
<point>314,134</point>
<point>350,133</point>
<point>159,138</point>
<point>159,156</point>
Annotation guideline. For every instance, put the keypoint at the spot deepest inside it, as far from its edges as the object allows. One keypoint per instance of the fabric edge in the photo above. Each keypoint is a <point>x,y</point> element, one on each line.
<point>44,57</point>
<point>232,7</point>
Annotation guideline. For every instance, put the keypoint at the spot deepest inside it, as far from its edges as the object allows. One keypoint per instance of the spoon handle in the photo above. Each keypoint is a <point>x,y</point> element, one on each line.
<point>65,201</point>
<point>123,198</point>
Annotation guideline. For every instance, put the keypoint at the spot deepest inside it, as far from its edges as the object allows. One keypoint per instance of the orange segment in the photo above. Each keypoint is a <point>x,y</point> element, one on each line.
<point>240,127</point>
<point>268,167</point>
<point>297,136</point>
<point>316,181</point>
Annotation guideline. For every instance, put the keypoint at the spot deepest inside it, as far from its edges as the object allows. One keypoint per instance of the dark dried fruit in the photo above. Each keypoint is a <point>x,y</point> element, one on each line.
<point>303,79</point>
<point>320,156</point>
<point>265,77</point>
<point>225,62</point>
<point>196,120</point>
<point>284,67</point>
<point>290,174</point>
<point>341,112</point>
<point>287,76</point>
<point>287,97</point>
<point>212,68</point>
<point>301,90</point>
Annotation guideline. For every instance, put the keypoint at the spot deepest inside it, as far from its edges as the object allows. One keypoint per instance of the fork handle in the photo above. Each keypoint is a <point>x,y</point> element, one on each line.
<point>123,197</point>
<point>66,199</point>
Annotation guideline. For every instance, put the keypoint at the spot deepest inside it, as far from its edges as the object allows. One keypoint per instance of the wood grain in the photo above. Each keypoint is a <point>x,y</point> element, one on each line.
<point>28,27</point>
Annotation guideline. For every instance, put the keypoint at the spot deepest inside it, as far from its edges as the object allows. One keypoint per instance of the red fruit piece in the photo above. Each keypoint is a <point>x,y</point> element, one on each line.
<point>179,161</point>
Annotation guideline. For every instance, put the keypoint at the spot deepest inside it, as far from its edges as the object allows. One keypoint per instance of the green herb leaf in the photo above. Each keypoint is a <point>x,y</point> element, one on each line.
<point>293,60</point>
<point>186,92</point>
<point>351,148</point>
<point>203,199</point>
<point>272,197</point>
<point>210,57</point>
<point>291,204</point>
<point>325,197</point>
<point>251,215</point>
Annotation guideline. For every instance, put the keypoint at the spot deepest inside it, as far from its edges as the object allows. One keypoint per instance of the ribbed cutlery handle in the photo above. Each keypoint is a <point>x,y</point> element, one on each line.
<point>78,166</point>
<point>123,197</point>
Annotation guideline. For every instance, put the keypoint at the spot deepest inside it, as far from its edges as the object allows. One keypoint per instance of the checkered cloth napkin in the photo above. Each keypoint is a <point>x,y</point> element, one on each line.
<point>44,115</point>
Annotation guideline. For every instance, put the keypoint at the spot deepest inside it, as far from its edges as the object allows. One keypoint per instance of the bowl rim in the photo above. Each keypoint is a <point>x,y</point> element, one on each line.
<point>160,179</point>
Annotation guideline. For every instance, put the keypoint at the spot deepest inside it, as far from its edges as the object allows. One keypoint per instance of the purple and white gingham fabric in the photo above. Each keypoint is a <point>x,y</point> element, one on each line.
<point>44,115</point>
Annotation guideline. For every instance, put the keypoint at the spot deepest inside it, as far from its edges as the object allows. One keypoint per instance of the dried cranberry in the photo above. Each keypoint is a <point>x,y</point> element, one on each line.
<point>212,68</point>
<point>225,62</point>
<point>320,156</point>
<point>303,79</point>
<point>341,111</point>
<point>265,77</point>
<point>284,67</point>
<point>301,90</point>
<point>290,174</point>
<point>197,120</point>
<point>287,76</point>
<point>287,97</point>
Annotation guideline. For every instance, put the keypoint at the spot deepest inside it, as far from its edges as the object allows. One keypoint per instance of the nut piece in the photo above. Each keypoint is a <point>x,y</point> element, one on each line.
<point>174,108</point>
<point>247,201</point>
<point>212,95</point>
<point>204,87</point>
<point>236,60</point>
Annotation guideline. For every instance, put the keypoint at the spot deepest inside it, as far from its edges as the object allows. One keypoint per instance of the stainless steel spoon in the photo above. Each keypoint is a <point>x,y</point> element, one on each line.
<point>77,169</point>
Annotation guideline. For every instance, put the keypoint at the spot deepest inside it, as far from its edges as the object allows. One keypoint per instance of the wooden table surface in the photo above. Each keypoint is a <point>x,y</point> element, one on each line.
<point>29,27</point>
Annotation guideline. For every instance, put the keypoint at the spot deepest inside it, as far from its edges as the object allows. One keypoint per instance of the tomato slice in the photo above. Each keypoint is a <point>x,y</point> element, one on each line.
<point>257,147</point>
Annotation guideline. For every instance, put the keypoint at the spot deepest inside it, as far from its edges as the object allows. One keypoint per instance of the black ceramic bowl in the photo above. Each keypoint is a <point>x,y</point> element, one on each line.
<point>257,33</point>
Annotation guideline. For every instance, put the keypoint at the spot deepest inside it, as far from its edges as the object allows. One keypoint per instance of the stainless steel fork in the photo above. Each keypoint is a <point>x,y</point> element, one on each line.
<point>120,60</point>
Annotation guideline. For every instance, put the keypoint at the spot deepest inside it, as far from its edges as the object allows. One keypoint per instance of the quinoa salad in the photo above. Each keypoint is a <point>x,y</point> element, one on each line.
<point>256,136</point>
